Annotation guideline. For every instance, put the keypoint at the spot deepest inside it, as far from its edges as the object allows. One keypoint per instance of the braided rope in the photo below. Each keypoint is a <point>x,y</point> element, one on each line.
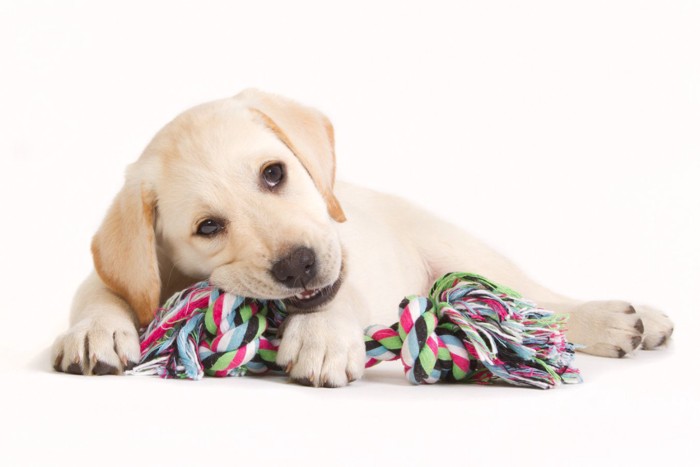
<point>467,329</point>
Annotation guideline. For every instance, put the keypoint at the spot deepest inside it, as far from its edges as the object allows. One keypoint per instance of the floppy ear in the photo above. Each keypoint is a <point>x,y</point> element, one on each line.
<point>307,133</point>
<point>124,250</point>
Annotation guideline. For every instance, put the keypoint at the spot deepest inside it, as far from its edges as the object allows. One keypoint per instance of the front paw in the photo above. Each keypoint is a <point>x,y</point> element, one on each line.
<point>97,346</point>
<point>606,328</point>
<point>321,350</point>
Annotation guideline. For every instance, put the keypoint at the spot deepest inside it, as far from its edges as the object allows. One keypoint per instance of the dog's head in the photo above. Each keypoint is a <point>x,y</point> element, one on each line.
<point>239,191</point>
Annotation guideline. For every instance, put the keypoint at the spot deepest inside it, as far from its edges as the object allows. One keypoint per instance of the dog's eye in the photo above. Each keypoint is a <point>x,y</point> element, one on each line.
<point>209,227</point>
<point>273,174</point>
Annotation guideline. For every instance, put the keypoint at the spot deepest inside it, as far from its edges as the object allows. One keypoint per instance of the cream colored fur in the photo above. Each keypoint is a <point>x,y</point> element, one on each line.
<point>206,163</point>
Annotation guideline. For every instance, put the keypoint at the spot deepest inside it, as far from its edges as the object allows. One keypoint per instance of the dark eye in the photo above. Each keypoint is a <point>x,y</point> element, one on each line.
<point>209,227</point>
<point>273,174</point>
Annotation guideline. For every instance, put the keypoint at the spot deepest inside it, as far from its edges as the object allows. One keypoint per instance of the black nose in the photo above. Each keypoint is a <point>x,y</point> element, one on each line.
<point>297,269</point>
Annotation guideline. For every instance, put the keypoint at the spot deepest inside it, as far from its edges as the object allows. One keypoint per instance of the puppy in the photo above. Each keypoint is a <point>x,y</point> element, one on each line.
<point>242,192</point>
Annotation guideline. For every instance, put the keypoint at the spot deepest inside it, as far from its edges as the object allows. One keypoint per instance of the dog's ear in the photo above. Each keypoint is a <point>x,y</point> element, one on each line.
<point>307,133</point>
<point>124,249</point>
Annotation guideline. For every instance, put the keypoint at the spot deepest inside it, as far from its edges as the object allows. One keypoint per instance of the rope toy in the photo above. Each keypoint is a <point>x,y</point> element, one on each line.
<point>467,329</point>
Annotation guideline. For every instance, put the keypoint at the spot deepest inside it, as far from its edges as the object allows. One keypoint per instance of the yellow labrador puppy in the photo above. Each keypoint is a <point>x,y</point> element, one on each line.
<point>241,192</point>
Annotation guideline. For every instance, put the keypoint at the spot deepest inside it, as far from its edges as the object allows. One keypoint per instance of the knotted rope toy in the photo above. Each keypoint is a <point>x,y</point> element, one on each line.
<point>467,329</point>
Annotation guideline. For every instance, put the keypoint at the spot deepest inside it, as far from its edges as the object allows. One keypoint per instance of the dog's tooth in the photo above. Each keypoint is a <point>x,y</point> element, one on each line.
<point>307,294</point>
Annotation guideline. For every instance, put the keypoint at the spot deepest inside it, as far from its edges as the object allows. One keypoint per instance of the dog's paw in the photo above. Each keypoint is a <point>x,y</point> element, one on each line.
<point>606,328</point>
<point>657,327</point>
<point>321,350</point>
<point>97,346</point>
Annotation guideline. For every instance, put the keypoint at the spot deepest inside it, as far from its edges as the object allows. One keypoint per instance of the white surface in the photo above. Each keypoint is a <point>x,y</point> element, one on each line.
<point>565,134</point>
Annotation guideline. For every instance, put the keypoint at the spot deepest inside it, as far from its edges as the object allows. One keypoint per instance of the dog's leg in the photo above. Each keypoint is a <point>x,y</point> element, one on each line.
<point>606,328</point>
<point>102,338</point>
<point>325,348</point>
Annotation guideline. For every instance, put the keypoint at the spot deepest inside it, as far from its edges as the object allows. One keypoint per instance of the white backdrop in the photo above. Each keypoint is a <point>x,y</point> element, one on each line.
<point>563,133</point>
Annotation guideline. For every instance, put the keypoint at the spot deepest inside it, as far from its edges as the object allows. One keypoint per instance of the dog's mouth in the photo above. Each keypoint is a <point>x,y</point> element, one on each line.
<point>310,300</point>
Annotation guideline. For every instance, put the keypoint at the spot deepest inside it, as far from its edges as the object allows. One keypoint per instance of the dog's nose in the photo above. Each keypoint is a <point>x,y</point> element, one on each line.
<point>297,269</point>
